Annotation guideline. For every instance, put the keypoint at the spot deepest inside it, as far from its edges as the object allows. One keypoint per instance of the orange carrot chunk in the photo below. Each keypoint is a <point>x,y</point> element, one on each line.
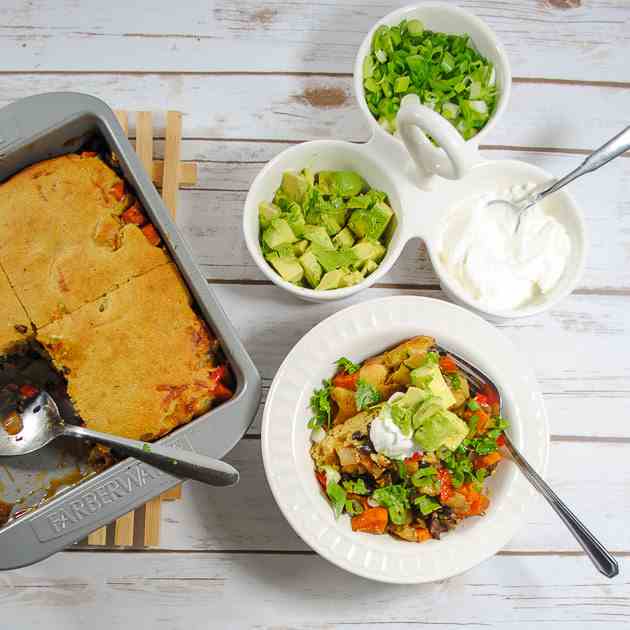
<point>151,233</point>
<point>134,215</point>
<point>448,365</point>
<point>118,190</point>
<point>372,521</point>
<point>485,461</point>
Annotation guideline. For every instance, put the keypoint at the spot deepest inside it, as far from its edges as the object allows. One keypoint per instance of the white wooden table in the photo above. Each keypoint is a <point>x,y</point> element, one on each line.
<point>252,78</point>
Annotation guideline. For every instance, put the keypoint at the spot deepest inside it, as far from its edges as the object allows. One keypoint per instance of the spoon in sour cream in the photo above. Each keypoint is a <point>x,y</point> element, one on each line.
<point>613,148</point>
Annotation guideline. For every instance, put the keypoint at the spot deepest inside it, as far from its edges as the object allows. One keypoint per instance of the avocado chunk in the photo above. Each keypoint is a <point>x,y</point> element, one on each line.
<point>342,183</point>
<point>331,259</point>
<point>435,427</point>
<point>344,239</point>
<point>312,269</point>
<point>266,213</point>
<point>368,267</point>
<point>300,247</point>
<point>295,218</point>
<point>371,223</point>
<point>368,250</point>
<point>330,280</point>
<point>278,233</point>
<point>294,186</point>
<point>430,377</point>
<point>330,223</point>
<point>289,268</point>
<point>317,234</point>
<point>412,398</point>
<point>351,278</point>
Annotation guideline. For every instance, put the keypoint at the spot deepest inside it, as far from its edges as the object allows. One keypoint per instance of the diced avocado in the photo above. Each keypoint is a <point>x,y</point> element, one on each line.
<point>331,259</point>
<point>331,225</point>
<point>430,377</point>
<point>266,212</point>
<point>295,218</point>
<point>294,186</point>
<point>368,250</point>
<point>436,427</point>
<point>300,247</point>
<point>330,280</point>
<point>312,269</point>
<point>351,278</point>
<point>317,234</point>
<point>368,267</point>
<point>342,183</point>
<point>412,398</point>
<point>344,239</point>
<point>289,268</point>
<point>278,233</point>
<point>371,223</point>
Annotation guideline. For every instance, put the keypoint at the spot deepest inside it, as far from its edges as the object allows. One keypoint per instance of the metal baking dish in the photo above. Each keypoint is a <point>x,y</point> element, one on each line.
<point>45,126</point>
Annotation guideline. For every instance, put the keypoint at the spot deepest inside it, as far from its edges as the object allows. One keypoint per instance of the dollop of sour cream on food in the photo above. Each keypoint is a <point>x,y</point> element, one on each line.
<point>387,437</point>
<point>499,267</point>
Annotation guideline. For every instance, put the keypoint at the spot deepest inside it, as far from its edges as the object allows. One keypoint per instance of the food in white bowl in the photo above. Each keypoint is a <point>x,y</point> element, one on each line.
<point>325,230</point>
<point>365,330</point>
<point>403,444</point>
<point>499,262</point>
<point>446,72</point>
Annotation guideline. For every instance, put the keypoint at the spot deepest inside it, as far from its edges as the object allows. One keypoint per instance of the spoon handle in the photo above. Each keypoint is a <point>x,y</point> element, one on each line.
<point>612,149</point>
<point>604,562</point>
<point>174,461</point>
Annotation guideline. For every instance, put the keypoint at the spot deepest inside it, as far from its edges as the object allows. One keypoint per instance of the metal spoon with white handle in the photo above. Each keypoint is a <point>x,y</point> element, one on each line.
<point>607,152</point>
<point>42,423</point>
<point>598,554</point>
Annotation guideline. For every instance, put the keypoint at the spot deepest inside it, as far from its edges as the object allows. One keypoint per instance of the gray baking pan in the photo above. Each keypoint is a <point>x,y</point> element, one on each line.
<point>46,126</point>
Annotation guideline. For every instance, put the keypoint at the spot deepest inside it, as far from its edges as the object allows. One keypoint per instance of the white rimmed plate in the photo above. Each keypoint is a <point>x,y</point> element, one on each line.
<point>359,332</point>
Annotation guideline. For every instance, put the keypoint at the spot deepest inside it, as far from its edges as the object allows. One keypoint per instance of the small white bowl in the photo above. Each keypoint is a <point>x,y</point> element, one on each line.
<point>359,332</point>
<point>317,156</point>
<point>444,18</point>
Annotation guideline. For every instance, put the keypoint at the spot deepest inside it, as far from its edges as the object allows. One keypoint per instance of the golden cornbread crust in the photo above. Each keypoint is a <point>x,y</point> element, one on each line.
<point>14,323</point>
<point>108,306</point>
<point>62,243</point>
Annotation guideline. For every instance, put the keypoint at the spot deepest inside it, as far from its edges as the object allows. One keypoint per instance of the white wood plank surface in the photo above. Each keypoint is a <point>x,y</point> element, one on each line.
<point>167,591</point>
<point>562,39</point>
<point>247,518</point>
<point>293,107</point>
<point>579,350</point>
<point>210,215</point>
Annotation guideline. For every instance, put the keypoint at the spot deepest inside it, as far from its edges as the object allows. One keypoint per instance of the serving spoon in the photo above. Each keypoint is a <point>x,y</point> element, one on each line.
<point>42,423</point>
<point>613,148</point>
<point>600,557</point>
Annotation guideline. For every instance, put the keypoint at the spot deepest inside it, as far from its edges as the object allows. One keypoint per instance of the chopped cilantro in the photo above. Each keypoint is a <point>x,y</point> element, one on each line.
<point>346,365</point>
<point>456,381</point>
<point>419,478</point>
<point>426,504</point>
<point>395,499</point>
<point>146,448</point>
<point>353,507</point>
<point>366,395</point>
<point>337,496</point>
<point>321,407</point>
<point>356,487</point>
<point>432,358</point>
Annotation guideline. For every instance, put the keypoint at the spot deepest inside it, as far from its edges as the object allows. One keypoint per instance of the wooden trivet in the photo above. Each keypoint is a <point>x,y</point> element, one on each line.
<point>169,174</point>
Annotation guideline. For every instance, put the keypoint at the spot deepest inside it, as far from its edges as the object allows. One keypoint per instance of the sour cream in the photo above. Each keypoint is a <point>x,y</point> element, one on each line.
<point>499,268</point>
<point>387,437</point>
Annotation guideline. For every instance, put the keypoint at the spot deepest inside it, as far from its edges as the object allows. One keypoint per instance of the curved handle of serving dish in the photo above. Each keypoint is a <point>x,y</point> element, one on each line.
<point>452,160</point>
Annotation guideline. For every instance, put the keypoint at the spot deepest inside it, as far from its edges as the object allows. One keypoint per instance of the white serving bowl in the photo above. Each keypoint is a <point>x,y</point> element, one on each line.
<point>361,331</point>
<point>316,156</point>
<point>444,18</point>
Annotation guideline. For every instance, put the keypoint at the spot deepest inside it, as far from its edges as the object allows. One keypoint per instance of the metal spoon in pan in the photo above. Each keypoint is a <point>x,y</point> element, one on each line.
<point>613,148</point>
<point>599,556</point>
<point>42,423</point>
